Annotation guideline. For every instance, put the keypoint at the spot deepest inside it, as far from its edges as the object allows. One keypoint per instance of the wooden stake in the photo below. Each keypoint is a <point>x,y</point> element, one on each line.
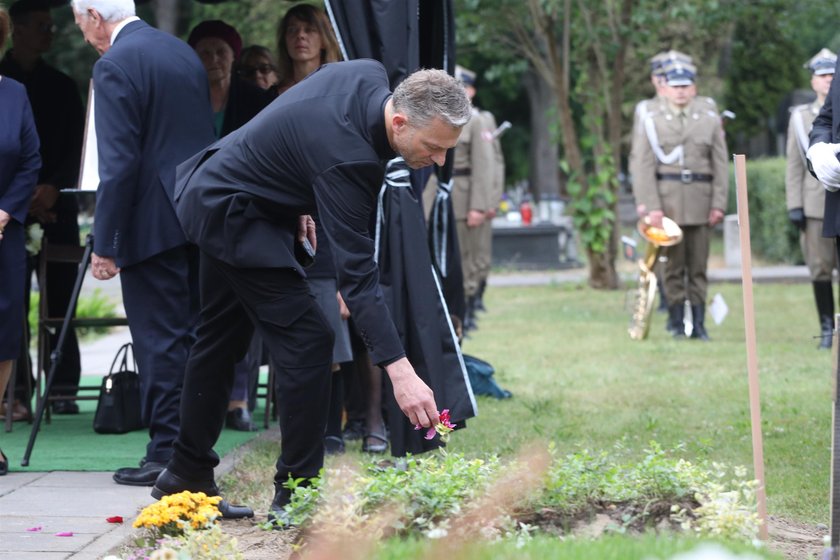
<point>749,330</point>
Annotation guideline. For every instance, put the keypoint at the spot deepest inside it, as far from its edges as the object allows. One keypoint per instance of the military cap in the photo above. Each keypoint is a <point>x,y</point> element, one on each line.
<point>680,74</point>
<point>466,77</point>
<point>822,63</point>
<point>661,61</point>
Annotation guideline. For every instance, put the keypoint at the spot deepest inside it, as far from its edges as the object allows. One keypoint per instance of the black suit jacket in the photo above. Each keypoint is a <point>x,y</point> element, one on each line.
<point>827,129</point>
<point>321,145</point>
<point>152,111</point>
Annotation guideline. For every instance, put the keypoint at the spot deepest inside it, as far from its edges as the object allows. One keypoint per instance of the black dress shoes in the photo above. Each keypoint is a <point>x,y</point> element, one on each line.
<point>239,419</point>
<point>278,517</point>
<point>170,483</point>
<point>65,407</point>
<point>145,475</point>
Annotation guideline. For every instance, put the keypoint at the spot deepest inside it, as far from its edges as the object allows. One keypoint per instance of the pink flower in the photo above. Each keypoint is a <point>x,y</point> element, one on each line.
<point>443,427</point>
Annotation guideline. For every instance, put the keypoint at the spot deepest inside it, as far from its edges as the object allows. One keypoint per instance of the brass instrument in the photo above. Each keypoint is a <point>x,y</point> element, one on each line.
<point>666,236</point>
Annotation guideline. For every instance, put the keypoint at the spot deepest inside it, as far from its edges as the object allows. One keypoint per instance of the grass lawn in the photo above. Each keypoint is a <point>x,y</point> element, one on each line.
<point>580,382</point>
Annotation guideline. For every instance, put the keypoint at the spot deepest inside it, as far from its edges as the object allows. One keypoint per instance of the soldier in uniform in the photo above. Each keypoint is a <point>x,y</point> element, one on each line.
<point>682,174</point>
<point>472,184</point>
<point>658,63</point>
<point>492,134</point>
<point>805,195</point>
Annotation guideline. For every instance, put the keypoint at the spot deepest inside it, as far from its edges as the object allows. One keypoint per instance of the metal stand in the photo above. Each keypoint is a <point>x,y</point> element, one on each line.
<point>56,355</point>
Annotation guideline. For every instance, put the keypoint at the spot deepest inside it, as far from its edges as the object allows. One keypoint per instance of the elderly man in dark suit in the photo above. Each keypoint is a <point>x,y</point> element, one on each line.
<point>245,202</point>
<point>152,112</point>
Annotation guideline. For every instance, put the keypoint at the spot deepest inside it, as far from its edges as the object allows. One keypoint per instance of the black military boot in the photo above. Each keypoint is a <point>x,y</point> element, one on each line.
<point>676,317</point>
<point>469,315</point>
<point>479,297</point>
<point>698,313</point>
<point>825,309</point>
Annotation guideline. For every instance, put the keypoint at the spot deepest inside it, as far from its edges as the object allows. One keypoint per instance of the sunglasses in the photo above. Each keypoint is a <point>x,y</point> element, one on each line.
<point>250,71</point>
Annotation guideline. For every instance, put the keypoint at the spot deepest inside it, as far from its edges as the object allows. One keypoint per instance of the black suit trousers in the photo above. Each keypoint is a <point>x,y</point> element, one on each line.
<point>161,301</point>
<point>277,302</point>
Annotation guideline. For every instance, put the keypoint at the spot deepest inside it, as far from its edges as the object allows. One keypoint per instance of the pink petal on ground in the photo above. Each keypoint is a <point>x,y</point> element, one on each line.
<point>64,534</point>
<point>34,529</point>
<point>114,519</point>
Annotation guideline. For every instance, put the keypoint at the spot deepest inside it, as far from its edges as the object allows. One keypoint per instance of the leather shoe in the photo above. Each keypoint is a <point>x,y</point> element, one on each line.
<point>139,476</point>
<point>170,483</point>
<point>65,407</point>
<point>239,419</point>
<point>278,517</point>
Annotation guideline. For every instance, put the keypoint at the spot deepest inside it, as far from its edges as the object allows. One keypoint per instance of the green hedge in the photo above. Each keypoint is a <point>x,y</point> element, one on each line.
<point>772,236</point>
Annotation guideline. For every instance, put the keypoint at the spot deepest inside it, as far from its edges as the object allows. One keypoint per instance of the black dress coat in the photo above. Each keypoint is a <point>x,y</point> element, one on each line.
<point>321,145</point>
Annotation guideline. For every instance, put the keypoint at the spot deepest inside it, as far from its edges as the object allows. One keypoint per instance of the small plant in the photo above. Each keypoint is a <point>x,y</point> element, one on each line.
<point>95,305</point>
<point>175,513</point>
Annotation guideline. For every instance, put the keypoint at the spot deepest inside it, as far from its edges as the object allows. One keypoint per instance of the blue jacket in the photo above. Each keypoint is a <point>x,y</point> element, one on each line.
<point>152,111</point>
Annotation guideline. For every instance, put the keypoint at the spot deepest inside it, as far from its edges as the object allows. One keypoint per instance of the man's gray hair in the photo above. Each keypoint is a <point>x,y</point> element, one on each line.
<point>111,11</point>
<point>429,94</point>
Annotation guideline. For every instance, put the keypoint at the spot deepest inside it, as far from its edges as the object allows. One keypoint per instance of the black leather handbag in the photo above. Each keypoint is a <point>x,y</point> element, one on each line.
<point>118,408</point>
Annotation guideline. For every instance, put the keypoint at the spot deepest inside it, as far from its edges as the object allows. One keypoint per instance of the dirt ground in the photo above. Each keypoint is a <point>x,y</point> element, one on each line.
<point>796,541</point>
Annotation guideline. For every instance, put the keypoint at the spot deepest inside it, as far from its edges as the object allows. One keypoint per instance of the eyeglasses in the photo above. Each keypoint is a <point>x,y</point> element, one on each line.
<point>250,71</point>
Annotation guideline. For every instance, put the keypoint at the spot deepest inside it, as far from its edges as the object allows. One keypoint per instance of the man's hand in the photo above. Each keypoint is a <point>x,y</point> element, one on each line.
<point>475,218</point>
<point>103,268</point>
<point>797,218</point>
<point>306,229</point>
<point>641,210</point>
<point>823,158</point>
<point>4,219</point>
<point>715,216</point>
<point>413,396</point>
<point>655,218</point>
<point>343,310</point>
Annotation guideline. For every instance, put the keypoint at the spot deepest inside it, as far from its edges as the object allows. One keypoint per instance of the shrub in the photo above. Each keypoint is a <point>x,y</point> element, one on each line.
<point>771,234</point>
<point>97,304</point>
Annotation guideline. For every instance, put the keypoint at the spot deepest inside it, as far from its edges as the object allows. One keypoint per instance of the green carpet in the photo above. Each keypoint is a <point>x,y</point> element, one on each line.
<point>68,443</point>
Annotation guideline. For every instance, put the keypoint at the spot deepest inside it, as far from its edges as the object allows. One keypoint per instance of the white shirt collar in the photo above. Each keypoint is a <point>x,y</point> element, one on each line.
<point>120,25</point>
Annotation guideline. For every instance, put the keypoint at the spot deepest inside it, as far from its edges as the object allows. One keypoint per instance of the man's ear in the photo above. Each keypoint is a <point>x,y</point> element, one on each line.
<point>399,121</point>
<point>94,15</point>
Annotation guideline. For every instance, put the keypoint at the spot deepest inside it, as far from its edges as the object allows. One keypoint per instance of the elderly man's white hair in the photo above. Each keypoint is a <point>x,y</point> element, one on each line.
<point>110,10</point>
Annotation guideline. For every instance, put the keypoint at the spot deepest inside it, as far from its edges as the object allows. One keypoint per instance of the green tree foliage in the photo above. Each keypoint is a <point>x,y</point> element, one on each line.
<point>765,65</point>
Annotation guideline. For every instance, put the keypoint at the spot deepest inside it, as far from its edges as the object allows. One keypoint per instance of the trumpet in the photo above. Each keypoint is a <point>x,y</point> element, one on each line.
<point>668,235</point>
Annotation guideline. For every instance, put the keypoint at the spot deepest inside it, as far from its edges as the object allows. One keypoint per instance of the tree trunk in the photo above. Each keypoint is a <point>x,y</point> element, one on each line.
<point>544,178</point>
<point>602,272</point>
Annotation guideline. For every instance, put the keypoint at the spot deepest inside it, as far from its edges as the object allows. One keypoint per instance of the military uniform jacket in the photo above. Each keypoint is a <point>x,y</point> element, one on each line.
<point>498,185</point>
<point>474,164</point>
<point>801,188</point>
<point>695,148</point>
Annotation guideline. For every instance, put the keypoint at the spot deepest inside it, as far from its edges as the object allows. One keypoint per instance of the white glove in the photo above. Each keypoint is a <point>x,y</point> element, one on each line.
<point>823,158</point>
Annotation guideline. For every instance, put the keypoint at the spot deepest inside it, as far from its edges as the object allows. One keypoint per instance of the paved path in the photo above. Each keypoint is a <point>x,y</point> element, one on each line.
<point>80,502</point>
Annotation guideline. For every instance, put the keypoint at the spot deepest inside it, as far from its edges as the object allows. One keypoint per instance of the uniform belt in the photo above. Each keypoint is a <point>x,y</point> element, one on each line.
<point>462,172</point>
<point>685,177</point>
